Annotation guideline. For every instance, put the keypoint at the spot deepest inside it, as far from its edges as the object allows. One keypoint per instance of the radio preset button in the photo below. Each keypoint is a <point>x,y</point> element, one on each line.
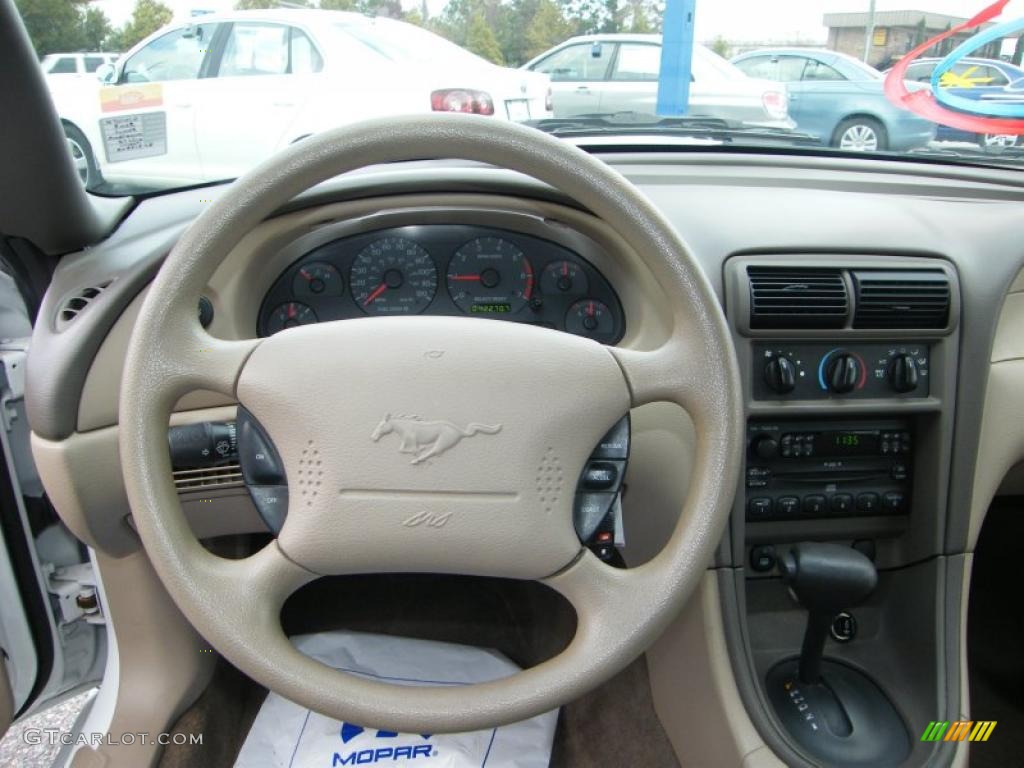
<point>814,505</point>
<point>787,506</point>
<point>868,503</point>
<point>842,504</point>
<point>759,508</point>
<point>893,501</point>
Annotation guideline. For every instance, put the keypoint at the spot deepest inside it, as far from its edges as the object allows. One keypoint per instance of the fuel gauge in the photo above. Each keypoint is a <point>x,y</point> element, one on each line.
<point>591,318</point>
<point>563,277</point>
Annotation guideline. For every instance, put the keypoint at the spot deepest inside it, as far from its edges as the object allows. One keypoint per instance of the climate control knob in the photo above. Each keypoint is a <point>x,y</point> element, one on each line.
<point>842,373</point>
<point>780,375</point>
<point>903,373</point>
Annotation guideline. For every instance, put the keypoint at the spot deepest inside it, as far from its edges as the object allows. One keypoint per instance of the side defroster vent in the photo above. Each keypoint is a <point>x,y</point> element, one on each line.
<point>901,299</point>
<point>74,305</point>
<point>797,297</point>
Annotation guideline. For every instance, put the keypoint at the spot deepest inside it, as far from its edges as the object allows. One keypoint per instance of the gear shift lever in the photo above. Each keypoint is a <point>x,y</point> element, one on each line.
<point>825,579</point>
<point>832,709</point>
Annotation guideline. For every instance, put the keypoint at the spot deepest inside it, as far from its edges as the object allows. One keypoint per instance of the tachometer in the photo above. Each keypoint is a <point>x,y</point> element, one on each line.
<point>393,276</point>
<point>288,316</point>
<point>490,275</point>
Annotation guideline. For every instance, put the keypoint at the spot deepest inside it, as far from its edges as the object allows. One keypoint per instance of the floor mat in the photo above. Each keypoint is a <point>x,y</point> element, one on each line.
<point>286,735</point>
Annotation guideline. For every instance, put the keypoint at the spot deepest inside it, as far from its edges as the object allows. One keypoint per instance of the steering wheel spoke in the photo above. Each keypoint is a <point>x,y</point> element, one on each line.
<point>669,373</point>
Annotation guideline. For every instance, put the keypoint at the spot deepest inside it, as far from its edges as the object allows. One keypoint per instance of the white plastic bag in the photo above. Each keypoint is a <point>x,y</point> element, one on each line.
<point>285,735</point>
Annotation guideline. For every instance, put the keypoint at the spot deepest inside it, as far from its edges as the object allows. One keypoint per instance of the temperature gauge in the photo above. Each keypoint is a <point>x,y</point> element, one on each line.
<point>317,279</point>
<point>563,277</point>
<point>288,316</point>
<point>591,318</point>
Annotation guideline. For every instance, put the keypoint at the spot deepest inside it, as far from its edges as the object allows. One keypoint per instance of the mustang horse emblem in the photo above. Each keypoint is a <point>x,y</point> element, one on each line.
<point>426,439</point>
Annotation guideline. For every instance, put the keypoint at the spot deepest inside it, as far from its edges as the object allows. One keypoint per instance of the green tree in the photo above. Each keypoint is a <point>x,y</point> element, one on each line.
<point>721,46</point>
<point>480,40</point>
<point>338,5</point>
<point>53,25</point>
<point>147,17</point>
<point>96,30</point>
<point>547,28</point>
<point>414,16</point>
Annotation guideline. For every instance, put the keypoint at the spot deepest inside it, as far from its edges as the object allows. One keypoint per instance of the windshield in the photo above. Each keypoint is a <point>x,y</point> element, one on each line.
<point>155,95</point>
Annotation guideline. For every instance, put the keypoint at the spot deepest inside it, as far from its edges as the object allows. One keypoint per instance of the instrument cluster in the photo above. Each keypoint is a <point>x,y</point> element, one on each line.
<point>443,269</point>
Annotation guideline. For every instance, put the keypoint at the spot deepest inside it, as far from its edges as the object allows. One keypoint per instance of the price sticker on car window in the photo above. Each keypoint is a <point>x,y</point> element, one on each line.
<point>131,137</point>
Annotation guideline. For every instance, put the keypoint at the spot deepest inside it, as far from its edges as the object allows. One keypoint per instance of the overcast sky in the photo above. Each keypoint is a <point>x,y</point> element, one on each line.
<point>736,20</point>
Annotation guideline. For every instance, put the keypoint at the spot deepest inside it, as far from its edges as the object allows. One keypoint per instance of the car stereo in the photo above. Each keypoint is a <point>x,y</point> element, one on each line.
<point>819,469</point>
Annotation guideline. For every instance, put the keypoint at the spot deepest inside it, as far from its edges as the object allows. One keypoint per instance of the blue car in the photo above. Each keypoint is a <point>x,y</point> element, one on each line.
<point>838,99</point>
<point>980,79</point>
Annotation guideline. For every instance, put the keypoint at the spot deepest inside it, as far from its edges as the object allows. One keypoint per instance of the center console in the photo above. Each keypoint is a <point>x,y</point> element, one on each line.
<point>849,372</point>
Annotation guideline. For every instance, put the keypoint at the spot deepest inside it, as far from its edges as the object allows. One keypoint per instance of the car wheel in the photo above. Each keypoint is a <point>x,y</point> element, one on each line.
<point>997,140</point>
<point>860,134</point>
<point>82,156</point>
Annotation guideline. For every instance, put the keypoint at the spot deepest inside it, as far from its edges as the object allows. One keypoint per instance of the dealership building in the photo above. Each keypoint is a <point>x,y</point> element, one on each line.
<point>895,33</point>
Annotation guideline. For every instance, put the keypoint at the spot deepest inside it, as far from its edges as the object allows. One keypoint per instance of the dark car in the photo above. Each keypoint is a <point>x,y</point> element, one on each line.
<point>839,99</point>
<point>980,79</point>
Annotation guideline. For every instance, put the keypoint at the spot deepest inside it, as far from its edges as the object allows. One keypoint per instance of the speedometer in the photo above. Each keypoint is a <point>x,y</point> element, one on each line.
<point>490,275</point>
<point>393,276</point>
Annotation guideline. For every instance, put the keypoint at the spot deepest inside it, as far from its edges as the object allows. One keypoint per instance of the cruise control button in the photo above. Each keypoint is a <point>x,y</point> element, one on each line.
<point>600,476</point>
<point>615,444</point>
<point>589,512</point>
<point>272,503</point>
<point>260,462</point>
<point>842,504</point>
<point>814,505</point>
<point>868,503</point>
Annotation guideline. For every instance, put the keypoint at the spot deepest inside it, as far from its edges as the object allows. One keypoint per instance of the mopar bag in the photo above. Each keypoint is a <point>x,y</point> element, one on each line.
<point>285,735</point>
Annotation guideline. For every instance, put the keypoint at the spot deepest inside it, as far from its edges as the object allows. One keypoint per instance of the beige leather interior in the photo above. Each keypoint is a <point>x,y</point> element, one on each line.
<point>169,355</point>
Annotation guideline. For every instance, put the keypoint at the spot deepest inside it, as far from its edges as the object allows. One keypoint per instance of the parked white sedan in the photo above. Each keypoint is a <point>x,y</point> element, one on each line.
<point>613,73</point>
<point>208,100</point>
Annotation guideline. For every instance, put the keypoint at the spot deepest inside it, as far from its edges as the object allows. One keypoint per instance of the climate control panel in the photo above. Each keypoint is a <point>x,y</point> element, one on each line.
<point>823,370</point>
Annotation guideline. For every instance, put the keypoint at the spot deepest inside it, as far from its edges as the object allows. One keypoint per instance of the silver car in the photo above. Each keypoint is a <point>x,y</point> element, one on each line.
<point>606,74</point>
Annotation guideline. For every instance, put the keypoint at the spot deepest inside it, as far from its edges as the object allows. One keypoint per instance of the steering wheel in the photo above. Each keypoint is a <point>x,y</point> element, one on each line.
<point>504,493</point>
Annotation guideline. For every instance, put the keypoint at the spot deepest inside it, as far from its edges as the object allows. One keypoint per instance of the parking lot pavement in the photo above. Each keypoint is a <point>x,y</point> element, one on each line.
<point>18,747</point>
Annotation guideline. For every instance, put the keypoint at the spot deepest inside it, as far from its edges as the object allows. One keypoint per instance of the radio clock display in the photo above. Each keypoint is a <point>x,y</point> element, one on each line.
<point>851,443</point>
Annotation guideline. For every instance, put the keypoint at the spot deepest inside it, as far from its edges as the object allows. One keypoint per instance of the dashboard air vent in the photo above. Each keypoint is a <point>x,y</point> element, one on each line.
<point>75,304</point>
<point>901,299</point>
<point>797,297</point>
<point>223,476</point>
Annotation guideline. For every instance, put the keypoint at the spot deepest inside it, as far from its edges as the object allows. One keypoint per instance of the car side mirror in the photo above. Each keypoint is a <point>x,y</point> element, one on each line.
<point>595,51</point>
<point>105,73</point>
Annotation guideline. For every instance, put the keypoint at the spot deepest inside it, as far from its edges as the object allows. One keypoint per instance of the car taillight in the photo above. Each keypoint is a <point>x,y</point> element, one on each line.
<point>776,104</point>
<point>549,103</point>
<point>462,100</point>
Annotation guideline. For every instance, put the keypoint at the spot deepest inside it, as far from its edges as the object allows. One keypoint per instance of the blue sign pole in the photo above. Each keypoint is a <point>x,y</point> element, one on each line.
<point>676,58</point>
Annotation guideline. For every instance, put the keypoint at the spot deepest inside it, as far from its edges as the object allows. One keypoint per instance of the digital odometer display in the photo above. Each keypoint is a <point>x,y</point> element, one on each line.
<point>490,309</point>
<point>850,443</point>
